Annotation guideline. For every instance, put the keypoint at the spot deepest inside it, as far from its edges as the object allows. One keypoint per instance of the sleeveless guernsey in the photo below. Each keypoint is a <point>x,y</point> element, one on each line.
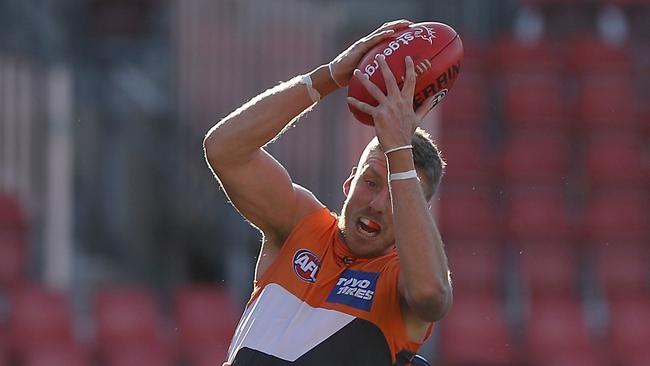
<point>318,305</point>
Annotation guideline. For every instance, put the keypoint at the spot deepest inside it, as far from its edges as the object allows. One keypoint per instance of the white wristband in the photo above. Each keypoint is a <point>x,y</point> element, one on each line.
<point>403,175</point>
<point>403,147</point>
<point>329,66</point>
<point>313,93</point>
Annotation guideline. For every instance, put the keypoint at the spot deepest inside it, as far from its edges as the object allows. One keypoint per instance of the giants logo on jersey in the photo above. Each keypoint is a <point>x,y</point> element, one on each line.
<point>306,265</point>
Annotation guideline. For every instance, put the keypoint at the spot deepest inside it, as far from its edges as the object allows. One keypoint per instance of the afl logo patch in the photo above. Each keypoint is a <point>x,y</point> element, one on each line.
<point>306,265</point>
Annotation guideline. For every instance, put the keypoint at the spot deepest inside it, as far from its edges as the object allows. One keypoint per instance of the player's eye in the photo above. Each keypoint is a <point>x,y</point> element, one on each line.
<point>371,183</point>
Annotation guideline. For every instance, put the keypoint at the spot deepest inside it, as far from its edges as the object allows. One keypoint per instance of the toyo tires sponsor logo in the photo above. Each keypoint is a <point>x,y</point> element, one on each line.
<point>355,289</point>
<point>306,265</point>
<point>405,38</point>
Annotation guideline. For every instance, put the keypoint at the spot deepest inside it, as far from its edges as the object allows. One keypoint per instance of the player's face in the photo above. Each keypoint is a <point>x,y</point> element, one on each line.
<point>366,220</point>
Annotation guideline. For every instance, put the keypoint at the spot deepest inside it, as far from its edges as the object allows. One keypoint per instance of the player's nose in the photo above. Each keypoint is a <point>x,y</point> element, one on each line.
<point>380,202</point>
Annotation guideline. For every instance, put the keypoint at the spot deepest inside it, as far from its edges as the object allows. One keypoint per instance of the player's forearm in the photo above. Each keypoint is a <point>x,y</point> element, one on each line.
<point>260,120</point>
<point>423,261</point>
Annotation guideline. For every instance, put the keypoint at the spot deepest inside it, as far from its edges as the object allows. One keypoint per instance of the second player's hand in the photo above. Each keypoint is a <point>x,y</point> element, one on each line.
<point>345,63</point>
<point>394,118</point>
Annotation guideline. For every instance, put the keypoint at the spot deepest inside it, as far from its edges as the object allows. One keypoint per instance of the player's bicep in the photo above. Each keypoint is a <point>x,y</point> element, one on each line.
<point>262,191</point>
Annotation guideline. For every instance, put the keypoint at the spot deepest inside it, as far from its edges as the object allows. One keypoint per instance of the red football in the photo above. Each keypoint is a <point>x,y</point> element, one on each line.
<point>437,52</point>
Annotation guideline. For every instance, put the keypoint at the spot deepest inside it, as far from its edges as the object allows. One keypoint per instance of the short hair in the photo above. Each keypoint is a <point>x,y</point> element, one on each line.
<point>426,158</point>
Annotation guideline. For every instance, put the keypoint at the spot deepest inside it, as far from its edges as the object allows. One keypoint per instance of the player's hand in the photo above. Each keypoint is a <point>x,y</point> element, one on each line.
<point>345,63</point>
<point>394,118</point>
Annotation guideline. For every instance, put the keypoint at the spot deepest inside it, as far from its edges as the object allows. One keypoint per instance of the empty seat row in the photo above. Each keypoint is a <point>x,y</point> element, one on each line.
<point>554,331</point>
<point>129,327</point>
<point>610,216</point>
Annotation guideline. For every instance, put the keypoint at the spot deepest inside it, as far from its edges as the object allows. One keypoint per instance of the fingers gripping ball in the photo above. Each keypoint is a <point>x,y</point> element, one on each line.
<point>437,52</point>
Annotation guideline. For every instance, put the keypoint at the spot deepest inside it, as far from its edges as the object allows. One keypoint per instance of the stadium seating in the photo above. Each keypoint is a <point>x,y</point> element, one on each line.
<point>39,317</point>
<point>467,214</point>
<point>617,160</point>
<point>608,103</point>
<point>590,55</point>
<point>475,266</point>
<point>12,262</point>
<point>475,332</point>
<point>557,331</point>
<point>535,101</point>
<point>629,333</point>
<point>67,355</point>
<point>468,159</point>
<point>134,354</point>
<point>467,105</point>
<point>623,269</point>
<point>126,316</point>
<point>536,158</point>
<point>206,320</point>
<point>12,216</point>
<point>616,216</point>
<point>549,269</point>
<point>208,355</point>
<point>513,56</point>
<point>536,215</point>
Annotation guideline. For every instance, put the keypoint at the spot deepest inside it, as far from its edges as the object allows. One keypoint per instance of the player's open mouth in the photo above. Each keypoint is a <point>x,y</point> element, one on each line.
<point>368,228</point>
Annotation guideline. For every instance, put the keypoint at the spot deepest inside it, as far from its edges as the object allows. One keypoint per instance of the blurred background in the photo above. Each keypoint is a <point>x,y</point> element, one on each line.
<point>117,247</point>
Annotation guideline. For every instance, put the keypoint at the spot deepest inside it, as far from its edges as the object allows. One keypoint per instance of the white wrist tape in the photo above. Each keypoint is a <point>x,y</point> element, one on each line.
<point>313,93</point>
<point>329,66</point>
<point>403,175</point>
<point>404,147</point>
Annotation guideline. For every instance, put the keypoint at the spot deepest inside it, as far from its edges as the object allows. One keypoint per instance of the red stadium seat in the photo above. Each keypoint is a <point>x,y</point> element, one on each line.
<point>126,316</point>
<point>466,214</point>
<point>539,158</point>
<point>629,333</point>
<point>475,266</point>
<point>549,269</point>
<point>535,101</point>
<point>617,216</point>
<point>475,332</point>
<point>623,270</point>
<point>467,159</point>
<point>594,56</point>
<point>557,330</point>
<point>208,356</point>
<point>39,317</point>
<point>12,262</point>
<point>574,359</point>
<point>12,215</point>
<point>467,105</point>
<point>474,55</point>
<point>140,355</point>
<point>538,215</point>
<point>607,103</point>
<point>68,355</point>
<point>206,319</point>
<point>514,56</point>
<point>617,161</point>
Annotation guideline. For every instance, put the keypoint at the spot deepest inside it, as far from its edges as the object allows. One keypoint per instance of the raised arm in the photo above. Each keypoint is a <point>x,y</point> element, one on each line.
<point>424,280</point>
<point>256,184</point>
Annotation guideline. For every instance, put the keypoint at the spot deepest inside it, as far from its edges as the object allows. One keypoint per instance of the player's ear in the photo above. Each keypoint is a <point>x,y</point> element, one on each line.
<point>348,182</point>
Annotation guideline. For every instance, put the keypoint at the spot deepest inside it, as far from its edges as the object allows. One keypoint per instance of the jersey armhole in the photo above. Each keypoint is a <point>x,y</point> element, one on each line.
<point>310,219</point>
